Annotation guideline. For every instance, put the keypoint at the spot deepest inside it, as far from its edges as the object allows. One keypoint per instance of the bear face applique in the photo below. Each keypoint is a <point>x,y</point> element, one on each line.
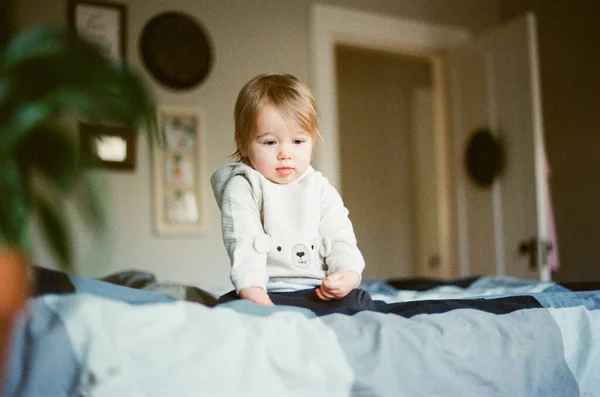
<point>298,250</point>
<point>301,255</point>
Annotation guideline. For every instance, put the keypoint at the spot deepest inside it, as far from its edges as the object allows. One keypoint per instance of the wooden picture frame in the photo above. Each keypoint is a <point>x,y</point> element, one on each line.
<point>106,146</point>
<point>103,23</point>
<point>178,173</point>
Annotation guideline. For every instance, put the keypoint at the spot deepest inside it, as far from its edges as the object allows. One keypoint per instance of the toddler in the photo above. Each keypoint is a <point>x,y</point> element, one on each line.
<point>285,228</point>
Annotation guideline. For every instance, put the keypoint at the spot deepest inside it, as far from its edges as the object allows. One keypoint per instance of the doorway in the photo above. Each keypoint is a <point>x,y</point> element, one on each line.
<point>337,29</point>
<point>386,157</point>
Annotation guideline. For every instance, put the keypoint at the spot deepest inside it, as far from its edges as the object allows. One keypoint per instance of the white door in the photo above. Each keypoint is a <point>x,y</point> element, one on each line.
<point>494,84</point>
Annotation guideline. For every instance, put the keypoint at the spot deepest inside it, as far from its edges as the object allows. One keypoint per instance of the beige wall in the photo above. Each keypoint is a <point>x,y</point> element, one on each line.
<point>250,37</point>
<point>569,38</point>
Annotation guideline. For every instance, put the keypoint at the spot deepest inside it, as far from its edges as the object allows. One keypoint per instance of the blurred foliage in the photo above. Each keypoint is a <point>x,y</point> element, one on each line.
<point>49,78</point>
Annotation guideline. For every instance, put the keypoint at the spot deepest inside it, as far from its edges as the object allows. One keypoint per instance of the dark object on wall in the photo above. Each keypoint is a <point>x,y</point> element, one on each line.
<point>176,50</point>
<point>106,146</point>
<point>484,157</point>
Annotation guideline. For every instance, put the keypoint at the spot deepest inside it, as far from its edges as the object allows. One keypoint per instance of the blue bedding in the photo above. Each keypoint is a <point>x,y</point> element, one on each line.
<point>543,342</point>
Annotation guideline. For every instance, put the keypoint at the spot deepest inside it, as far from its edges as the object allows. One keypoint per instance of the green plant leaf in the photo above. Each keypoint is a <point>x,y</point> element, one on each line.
<point>52,70</point>
<point>55,230</point>
<point>92,199</point>
<point>38,151</point>
<point>6,16</point>
<point>15,204</point>
<point>37,42</point>
<point>45,74</point>
<point>29,117</point>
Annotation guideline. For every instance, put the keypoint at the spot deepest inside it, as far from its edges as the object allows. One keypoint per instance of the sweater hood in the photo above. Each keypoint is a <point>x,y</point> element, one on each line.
<point>223,175</point>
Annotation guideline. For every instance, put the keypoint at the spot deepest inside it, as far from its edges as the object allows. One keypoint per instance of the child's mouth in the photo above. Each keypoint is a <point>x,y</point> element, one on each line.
<point>284,171</point>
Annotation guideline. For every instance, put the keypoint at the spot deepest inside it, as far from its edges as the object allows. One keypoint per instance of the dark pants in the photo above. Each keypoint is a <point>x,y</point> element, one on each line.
<point>355,301</point>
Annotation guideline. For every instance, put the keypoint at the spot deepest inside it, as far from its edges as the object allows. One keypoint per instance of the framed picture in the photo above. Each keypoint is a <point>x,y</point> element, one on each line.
<point>102,23</point>
<point>105,146</point>
<point>178,173</point>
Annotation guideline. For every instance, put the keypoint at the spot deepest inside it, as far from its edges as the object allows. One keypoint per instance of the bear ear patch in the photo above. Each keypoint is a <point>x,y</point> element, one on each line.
<point>262,243</point>
<point>325,248</point>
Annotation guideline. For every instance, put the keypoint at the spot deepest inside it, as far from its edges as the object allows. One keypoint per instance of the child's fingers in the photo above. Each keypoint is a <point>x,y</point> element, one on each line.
<point>336,285</point>
<point>321,294</point>
<point>328,293</point>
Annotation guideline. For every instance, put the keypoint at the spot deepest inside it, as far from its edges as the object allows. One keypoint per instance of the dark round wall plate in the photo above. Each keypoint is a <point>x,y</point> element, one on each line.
<point>484,157</point>
<point>176,50</point>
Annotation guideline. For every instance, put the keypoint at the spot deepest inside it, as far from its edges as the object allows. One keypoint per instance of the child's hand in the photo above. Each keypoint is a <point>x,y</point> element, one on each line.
<point>256,295</point>
<point>337,285</point>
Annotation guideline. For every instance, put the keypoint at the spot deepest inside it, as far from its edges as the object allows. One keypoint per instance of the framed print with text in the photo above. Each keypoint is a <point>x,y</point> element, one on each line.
<point>102,23</point>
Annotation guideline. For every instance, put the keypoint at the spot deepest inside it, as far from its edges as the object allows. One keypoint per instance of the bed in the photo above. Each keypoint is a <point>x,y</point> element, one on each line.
<point>478,336</point>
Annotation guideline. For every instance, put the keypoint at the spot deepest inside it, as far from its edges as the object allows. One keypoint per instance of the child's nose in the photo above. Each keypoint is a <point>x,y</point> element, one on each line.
<point>284,154</point>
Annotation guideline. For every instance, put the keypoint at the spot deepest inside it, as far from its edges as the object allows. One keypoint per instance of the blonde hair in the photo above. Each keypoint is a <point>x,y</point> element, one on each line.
<point>283,91</point>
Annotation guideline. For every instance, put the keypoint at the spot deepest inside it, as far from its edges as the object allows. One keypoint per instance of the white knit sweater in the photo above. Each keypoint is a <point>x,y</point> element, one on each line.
<point>295,233</point>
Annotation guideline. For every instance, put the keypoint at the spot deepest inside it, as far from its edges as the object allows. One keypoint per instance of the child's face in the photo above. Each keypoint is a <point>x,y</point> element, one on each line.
<point>280,149</point>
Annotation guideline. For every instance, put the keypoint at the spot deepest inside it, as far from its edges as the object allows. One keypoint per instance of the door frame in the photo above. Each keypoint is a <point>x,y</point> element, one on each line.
<point>332,25</point>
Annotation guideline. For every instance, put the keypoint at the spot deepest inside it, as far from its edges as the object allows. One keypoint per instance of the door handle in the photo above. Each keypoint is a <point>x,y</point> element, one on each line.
<point>531,247</point>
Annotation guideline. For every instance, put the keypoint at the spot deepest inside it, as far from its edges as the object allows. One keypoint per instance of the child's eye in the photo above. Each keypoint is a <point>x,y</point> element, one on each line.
<point>270,143</point>
<point>298,141</point>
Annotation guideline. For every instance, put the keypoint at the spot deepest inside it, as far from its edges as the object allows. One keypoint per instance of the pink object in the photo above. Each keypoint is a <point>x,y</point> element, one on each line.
<point>553,263</point>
